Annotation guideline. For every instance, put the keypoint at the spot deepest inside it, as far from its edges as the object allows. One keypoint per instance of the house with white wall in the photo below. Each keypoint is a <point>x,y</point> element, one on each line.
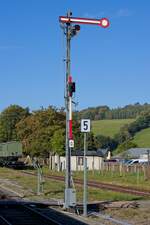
<point>95,160</point>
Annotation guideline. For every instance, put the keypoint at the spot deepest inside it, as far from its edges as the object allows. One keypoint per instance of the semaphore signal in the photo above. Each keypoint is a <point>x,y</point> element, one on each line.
<point>104,22</point>
<point>70,31</point>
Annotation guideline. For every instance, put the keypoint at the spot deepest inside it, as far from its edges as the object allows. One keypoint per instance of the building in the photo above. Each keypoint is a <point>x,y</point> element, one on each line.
<point>95,160</point>
<point>135,153</point>
<point>139,153</point>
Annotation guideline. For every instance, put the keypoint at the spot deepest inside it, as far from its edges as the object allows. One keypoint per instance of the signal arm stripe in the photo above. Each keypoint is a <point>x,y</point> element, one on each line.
<point>85,21</point>
<point>63,19</point>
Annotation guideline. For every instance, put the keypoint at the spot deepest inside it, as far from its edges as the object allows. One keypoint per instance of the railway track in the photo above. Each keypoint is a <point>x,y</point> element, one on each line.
<point>15,213</point>
<point>101,185</point>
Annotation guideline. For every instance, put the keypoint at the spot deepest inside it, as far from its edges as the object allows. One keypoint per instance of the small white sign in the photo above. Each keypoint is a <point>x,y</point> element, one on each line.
<point>71,143</point>
<point>85,125</point>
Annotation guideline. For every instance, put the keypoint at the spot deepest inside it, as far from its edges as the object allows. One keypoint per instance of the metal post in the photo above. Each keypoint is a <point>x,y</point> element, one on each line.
<point>148,156</point>
<point>38,181</point>
<point>68,153</point>
<point>85,179</point>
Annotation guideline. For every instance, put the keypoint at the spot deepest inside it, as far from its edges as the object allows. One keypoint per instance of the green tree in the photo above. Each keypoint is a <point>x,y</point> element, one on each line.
<point>125,146</point>
<point>123,135</point>
<point>58,142</point>
<point>8,120</point>
<point>39,129</point>
<point>105,142</point>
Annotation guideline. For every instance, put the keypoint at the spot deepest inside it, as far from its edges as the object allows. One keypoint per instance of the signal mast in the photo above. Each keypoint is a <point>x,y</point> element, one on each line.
<point>71,31</point>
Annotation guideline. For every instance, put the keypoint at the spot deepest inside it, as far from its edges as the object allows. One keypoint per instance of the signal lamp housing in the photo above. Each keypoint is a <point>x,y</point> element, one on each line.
<point>75,30</point>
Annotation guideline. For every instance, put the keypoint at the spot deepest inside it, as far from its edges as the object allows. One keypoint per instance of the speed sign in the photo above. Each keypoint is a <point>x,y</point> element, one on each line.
<point>85,125</point>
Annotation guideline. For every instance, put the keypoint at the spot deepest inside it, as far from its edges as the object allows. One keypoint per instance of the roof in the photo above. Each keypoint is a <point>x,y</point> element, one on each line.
<point>99,152</point>
<point>136,152</point>
<point>133,152</point>
<point>9,143</point>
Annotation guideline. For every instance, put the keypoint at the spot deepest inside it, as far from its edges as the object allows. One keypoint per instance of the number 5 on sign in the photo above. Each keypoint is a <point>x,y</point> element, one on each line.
<point>85,125</point>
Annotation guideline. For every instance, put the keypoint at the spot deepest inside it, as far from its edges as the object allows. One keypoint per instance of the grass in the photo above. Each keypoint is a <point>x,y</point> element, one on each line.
<point>142,138</point>
<point>136,216</point>
<point>130,179</point>
<point>55,189</point>
<point>109,127</point>
<point>126,179</point>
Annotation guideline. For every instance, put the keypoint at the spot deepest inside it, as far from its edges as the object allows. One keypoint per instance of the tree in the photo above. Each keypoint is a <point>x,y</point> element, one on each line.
<point>90,141</point>
<point>38,131</point>
<point>125,146</point>
<point>123,135</point>
<point>105,142</point>
<point>8,120</point>
<point>58,142</point>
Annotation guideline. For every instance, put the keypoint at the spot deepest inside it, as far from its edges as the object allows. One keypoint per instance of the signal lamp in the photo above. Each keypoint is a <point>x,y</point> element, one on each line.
<point>71,88</point>
<point>75,30</point>
<point>77,27</point>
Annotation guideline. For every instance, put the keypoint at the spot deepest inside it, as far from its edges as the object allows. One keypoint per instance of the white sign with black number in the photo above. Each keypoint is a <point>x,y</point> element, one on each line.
<point>71,143</point>
<point>85,125</point>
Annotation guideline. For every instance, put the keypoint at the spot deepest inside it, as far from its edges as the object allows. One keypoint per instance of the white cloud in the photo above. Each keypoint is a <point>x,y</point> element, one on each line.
<point>123,13</point>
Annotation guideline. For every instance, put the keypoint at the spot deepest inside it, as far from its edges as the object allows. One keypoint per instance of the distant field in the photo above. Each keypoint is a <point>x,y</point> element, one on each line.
<point>142,138</point>
<point>109,127</point>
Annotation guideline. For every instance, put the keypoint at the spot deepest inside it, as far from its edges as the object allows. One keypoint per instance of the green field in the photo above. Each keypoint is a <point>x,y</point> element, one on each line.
<point>142,138</point>
<point>109,127</point>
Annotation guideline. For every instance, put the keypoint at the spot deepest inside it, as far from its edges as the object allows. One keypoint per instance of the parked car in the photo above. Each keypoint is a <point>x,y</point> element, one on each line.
<point>136,161</point>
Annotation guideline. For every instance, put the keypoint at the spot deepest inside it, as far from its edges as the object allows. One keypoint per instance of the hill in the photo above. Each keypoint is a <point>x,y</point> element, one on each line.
<point>109,127</point>
<point>104,112</point>
<point>142,138</point>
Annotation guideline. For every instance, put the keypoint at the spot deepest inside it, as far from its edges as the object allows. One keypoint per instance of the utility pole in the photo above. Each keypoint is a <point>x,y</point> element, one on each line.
<point>70,31</point>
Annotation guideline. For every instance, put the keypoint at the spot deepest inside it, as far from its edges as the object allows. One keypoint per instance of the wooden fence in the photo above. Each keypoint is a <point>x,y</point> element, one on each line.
<point>123,170</point>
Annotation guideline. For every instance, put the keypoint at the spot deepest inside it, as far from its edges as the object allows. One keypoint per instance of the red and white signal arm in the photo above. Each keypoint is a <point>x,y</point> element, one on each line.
<point>85,125</point>
<point>104,22</point>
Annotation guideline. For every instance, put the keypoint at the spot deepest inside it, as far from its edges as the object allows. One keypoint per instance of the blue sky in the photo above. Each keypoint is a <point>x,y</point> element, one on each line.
<point>110,66</point>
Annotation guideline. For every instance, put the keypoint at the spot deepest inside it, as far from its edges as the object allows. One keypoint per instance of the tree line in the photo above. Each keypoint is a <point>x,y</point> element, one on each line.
<point>43,131</point>
<point>104,112</point>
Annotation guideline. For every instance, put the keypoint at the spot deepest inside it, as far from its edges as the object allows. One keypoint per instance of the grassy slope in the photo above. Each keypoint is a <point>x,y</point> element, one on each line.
<point>142,138</point>
<point>109,127</point>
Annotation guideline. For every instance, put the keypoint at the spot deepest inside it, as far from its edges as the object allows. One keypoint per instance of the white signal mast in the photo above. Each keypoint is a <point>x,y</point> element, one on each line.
<point>70,31</point>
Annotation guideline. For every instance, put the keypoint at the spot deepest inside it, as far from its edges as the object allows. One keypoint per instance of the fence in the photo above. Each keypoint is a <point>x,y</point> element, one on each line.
<point>124,170</point>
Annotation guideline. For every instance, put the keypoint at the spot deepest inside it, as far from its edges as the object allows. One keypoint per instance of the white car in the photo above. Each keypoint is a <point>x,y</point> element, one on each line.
<point>135,161</point>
